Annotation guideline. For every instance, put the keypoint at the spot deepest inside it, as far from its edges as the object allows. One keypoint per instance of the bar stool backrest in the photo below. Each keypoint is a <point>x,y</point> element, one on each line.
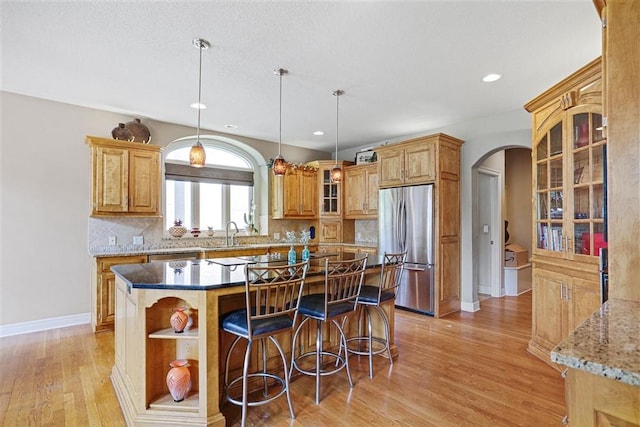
<point>273,292</point>
<point>391,272</point>
<point>343,280</point>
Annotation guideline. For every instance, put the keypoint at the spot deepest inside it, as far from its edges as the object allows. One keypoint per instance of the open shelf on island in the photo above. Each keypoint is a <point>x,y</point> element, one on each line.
<point>165,402</point>
<point>168,333</point>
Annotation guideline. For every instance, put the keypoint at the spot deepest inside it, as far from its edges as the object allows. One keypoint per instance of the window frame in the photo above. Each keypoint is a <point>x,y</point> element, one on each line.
<point>252,156</point>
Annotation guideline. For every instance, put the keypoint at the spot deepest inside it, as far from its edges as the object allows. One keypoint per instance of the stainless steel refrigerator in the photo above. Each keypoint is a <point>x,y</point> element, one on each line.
<point>405,222</point>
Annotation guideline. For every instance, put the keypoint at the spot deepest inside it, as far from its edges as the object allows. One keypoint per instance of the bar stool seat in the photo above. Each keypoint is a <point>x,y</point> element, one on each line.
<point>272,296</point>
<point>371,298</point>
<point>343,280</point>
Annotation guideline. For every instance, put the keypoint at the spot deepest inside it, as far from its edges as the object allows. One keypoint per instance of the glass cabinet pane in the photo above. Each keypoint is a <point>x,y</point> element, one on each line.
<point>597,164</point>
<point>581,239</point>
<point>543,183</point>
<point>556,173</point>
<point>596,123</point>
<point>555,199</point>
<point>550,237</point>
<point>581,170</point>
<point>541,149</point>
<point>555,139</point>
<point>598,201</point>
<point>581,203</point>
<point>580,130</point>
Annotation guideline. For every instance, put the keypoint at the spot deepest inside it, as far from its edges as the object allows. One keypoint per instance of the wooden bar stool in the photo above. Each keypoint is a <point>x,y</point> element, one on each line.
<point>370,299</point>
<point>342,282</point>
<point>272,297</point>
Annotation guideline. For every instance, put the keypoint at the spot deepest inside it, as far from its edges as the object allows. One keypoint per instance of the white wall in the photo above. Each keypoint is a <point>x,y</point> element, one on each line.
<point>45,202</point>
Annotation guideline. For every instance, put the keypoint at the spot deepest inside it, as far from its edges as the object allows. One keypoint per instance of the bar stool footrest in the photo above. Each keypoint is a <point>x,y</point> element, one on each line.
<point>339,363</point>
<point>365,352</point>
<point>280,380</point>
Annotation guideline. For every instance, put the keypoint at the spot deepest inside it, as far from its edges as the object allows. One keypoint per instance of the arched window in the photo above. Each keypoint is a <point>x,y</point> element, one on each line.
<point>220,192</point>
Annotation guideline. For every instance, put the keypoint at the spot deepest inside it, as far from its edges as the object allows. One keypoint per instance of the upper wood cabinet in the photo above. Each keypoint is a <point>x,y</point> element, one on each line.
<point>361,191</point>
<point>126,178</point>
<point>408,163</point>
<point>330,194</point>
<point>295,194</point>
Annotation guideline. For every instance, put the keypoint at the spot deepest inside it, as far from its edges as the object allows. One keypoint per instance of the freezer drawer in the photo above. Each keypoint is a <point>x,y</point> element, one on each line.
<point>415,291</point>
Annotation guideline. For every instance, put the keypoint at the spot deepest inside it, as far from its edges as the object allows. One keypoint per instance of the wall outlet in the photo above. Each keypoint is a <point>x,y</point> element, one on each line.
<point>138,240</point>
<point>112,240</point>
<point>276,236</point>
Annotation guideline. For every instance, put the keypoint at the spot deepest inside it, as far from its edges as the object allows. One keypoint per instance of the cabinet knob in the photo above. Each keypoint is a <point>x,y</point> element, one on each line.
<point>565,420</point>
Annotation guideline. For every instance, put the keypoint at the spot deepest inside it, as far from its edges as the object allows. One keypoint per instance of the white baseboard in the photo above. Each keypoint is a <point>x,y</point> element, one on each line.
<point>44,324</point>
<point>470,306</point>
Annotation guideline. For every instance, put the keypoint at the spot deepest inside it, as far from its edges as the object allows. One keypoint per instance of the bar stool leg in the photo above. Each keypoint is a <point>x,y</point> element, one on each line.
<point>245,383</point>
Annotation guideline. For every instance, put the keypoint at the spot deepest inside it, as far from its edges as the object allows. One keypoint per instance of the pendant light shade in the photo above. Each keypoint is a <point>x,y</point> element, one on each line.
<point>197,156</point>
<point>336,172</point>
<point>279,163</point>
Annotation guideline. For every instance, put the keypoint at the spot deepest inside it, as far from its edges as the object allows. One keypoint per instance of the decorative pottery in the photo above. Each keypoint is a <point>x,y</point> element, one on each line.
<point>139,131</point>
<point>179,379</point>
<point>179,319</point>
<point>195,231</point>
<point>121,133</point>
<point>177,230</point>
<point>177,266</point>
<point>210,231</point>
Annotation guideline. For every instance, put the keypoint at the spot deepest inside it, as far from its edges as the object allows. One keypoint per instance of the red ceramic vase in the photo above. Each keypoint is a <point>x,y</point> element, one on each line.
<point>179,319</point>
<point>179,379</point>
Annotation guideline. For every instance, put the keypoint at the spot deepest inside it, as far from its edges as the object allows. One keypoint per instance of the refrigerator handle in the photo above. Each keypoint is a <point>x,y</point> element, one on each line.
<point>403,227</point>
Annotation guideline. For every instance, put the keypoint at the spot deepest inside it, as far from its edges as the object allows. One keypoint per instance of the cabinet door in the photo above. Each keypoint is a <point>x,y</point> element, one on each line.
<point>548,177</point>
<point>372,191</point>
<point>391,168</point>
<point>291,193</point>
<point>111,189</point>
<point>355,191</point>
<point>143,181</point>
<point>330,200</point>
<point>105,281</point>
<point>548,307</point>
<point>583,299</point>
<point>308,193</point>
<point>331,231</point>
<point>420,163</point>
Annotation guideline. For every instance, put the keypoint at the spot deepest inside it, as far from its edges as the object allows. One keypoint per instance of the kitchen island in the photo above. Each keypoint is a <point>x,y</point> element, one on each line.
<point>145,344</point>
<point>603,360</point>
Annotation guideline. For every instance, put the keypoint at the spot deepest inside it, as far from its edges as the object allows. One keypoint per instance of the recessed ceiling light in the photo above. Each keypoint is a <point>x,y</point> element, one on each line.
<point>318,133</point>
<point>231,126</point>
<point>198,106</point>
<point>491,78</point>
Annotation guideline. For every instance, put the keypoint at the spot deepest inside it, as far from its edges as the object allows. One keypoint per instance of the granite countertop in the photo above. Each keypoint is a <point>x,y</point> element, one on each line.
<point>203,274</point>
<point>196,246</point>
<point>606,344</point>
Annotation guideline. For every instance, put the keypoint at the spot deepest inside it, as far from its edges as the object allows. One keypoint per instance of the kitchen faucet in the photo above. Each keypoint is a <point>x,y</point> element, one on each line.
<point>226,233</point>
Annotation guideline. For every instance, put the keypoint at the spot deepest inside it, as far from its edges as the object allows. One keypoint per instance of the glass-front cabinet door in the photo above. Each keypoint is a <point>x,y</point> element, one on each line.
<point>588,148</point>
<point>570,200</point>
<point>330,194</point>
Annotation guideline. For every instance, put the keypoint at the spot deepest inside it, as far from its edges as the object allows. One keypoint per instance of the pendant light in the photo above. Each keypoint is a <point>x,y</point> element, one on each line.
<point>197,155</point>
<point>336,172</point>
<point>279,163</point>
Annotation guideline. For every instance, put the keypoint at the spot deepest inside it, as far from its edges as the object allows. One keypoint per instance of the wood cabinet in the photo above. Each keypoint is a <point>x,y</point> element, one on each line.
<point>295,194</point>
<point>562,301</point>
<point>126,178</point>
<point>361,191</point>
<point>568,205</point>
<point>103,290</point>
<point>597,401</point>
<point>408,163</point>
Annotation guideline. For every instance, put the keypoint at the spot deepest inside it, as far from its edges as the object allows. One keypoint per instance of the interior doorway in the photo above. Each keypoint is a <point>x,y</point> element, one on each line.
<point>489,232</point>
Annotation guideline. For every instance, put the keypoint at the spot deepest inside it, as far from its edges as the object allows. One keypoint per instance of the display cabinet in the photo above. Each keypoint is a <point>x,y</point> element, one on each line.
<point>569,206</point>
<point>361,191</point>
<point>126,178</point>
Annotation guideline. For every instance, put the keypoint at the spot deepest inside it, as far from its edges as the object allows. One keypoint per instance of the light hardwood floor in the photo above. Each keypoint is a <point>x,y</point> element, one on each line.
<point>467,369</point>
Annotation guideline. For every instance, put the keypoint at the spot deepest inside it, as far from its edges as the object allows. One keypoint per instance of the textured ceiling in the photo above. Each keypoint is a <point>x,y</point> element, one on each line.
<point>406,67</point>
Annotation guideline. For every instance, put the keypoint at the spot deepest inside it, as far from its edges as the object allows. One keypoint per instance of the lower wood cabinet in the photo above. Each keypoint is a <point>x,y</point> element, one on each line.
<point>103,290</point>
<point>596,401</point>
<point>561,302</point>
